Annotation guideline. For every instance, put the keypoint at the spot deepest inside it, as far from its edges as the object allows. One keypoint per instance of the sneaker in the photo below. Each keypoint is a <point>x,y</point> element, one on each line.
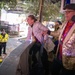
<point>4,55</point>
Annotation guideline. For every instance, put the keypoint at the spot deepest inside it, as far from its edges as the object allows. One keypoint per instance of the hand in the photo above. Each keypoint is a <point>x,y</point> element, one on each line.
<point>73,18</point>
<point>44,33</point>
<point>33,39</point>
<point>48,32</point>
<point>44,41</point>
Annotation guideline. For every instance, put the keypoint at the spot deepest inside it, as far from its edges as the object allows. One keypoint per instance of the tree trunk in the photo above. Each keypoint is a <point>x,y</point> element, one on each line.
<point>40,10</point>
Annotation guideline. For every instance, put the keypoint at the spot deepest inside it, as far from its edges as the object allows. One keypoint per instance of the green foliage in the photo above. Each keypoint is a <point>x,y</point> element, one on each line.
<point>7,3</point>
<point>33,7</point>
<point>50,10</point>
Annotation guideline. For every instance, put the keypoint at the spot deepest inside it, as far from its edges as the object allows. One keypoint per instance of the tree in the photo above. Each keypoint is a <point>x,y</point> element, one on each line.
<point>10,3</point>
<point>44,9</point>
<point>49,9</point>
<point>41,3</point>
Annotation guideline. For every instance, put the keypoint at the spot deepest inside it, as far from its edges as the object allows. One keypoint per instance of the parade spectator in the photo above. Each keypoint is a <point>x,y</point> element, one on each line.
<point>35,32</point>
<point>57,27</point>
<point>64,64</point>
<point>3,41</point>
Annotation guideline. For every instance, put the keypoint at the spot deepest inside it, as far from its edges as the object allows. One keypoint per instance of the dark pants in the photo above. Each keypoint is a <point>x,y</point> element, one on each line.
<point>3,46</point>
<point>58,69</point>
<point>67,72</point>
<point>43,56</point>
<point>56,45</point>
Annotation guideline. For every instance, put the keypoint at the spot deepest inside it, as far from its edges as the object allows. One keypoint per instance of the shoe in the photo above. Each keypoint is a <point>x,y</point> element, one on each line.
<point>4,55</point>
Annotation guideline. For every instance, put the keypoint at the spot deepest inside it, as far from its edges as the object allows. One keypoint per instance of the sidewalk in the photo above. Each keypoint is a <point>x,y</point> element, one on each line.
<point>11,45</point>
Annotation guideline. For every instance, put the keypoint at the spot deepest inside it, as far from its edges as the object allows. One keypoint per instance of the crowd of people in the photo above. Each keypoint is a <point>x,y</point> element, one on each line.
<point>62,45</point>
<point>64,40</point>
<point>64,64</point>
